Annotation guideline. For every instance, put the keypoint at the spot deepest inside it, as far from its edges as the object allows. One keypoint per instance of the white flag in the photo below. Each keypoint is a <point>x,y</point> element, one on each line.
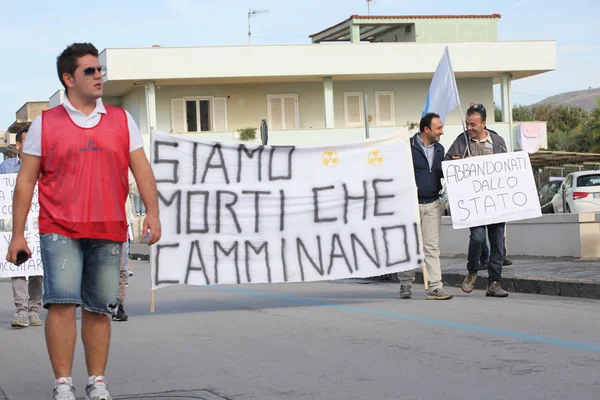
<point>443,93</point>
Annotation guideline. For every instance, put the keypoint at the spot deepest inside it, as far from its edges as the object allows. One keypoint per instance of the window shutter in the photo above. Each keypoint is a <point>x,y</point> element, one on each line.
<point>354,113</point>
<point>289,108</point>
<point>385,109</point>
<point>177,116</point>
<point>220,114</point>
<point>275,113</point>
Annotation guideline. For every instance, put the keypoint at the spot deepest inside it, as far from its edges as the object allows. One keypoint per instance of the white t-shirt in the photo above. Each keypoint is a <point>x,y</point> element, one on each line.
<point>33,140</point>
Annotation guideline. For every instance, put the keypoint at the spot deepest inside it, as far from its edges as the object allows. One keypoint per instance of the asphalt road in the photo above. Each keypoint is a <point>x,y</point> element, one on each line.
<point>342,340</point>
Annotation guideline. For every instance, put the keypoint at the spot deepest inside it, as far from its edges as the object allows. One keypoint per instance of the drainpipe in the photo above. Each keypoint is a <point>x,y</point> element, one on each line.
<point>147,90</point>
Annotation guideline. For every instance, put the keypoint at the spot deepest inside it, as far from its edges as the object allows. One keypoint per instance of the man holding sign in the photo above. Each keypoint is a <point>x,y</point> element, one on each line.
<point>427,155</point>
<point>27,291</point>
<point>480,142</point>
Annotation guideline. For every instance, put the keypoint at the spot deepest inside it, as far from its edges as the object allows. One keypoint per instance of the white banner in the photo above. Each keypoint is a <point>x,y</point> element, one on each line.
<point>241,213</point>
<point>490,189</point>
<point>33,266</point>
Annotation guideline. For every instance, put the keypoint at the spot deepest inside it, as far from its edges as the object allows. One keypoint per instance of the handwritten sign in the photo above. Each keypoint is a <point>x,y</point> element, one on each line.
<point>237,213</point>
<point>490,189</point>
<point>33,266</point>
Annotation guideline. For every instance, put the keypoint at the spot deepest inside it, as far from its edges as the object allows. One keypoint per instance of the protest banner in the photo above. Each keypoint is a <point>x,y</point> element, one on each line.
<point>490,189</point>
<point>33,266</point>
<point>240,213</point>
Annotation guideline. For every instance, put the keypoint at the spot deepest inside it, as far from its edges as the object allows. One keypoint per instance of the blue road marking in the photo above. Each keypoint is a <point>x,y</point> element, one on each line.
<point>447,324</point>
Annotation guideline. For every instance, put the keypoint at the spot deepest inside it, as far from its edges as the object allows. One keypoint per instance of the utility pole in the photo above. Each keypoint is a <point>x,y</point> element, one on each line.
<point>369,7</point>
<point>252,13</point>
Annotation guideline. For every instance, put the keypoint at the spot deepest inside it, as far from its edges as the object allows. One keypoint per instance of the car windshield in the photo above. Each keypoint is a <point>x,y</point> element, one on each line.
<point>588,180</point>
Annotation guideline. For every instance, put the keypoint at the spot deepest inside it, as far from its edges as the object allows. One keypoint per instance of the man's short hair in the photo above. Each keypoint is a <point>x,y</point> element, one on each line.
<point>20,133</point>
<point>477,109</point>
<point>426,121</point>
<point>67,61</point>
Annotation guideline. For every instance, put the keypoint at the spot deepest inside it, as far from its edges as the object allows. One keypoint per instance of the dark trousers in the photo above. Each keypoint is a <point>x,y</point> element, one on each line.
<point>485,253</point>
<point>495,233</point>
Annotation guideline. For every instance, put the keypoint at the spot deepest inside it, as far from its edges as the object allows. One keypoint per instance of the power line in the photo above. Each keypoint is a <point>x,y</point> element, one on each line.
<point>527,94</point>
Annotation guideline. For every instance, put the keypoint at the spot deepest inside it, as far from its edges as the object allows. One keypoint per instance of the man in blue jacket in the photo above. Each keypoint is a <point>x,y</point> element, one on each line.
<point>427,154</point>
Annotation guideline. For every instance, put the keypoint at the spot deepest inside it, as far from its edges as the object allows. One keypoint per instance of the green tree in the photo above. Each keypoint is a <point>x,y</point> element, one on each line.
<point>561,118</point>
<point>497,113</point>
<point>523,113</point>
<point>561,141</point>
<point>589,137</point>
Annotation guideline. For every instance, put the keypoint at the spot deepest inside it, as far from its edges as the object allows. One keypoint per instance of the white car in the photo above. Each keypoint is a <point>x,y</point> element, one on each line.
<point>582,193</point>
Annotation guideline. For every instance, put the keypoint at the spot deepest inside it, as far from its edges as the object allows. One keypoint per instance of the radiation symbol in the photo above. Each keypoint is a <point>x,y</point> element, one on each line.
<point>375,158</point>
<point>330,158</point>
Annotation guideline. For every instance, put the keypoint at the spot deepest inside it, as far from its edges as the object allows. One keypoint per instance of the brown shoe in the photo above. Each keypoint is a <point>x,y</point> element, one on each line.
<point>495,290</point>
<point>406,291</point>
<point>469,283</point>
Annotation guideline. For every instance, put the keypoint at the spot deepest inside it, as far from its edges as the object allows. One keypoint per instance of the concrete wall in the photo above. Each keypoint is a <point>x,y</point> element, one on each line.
<point>57,98</point>
<point>31,110</point>
<point>552,235</point>
<point>522,58</point>
<point>399,35</point>
<point>457,30</point>
<point>116,101</point>
<point>247,103</point>
<point>335,136</point>
<point>410,97</point>
<point>135,103</point>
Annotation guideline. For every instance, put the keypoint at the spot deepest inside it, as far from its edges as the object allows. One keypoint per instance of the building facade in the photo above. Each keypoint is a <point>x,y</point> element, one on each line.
<point>316,93</point>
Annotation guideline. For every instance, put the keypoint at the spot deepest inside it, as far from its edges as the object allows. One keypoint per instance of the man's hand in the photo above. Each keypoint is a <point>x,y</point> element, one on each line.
<point>456,158</point>
<point>17,243</point>
<point>152,227</point>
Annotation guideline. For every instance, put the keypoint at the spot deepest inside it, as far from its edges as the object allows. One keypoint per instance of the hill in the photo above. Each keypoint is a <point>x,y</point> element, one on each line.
<point>582,98</point>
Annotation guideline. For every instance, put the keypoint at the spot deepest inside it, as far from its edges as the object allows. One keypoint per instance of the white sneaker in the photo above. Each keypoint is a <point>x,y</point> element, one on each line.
<point>97,390</point>
<point>21,320</point>
<point>64,390</point>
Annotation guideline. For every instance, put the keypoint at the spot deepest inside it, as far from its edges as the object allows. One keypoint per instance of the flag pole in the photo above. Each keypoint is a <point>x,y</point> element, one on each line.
<point>462,116</point>
<point>152,249</point>
<point>151,157</point>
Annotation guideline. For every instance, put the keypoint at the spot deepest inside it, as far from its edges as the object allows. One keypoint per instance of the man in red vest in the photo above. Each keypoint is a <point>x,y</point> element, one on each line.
<point>81,151</point>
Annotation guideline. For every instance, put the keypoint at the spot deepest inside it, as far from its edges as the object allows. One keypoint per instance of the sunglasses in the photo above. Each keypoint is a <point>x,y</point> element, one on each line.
<point>91,71</point>
<point>478,107</point>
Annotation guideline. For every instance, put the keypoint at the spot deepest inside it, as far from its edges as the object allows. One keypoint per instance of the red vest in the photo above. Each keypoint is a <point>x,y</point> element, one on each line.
<point>84,179</point>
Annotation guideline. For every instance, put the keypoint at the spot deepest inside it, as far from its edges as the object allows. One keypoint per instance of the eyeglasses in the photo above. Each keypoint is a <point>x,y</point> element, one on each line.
<point>91,71</point>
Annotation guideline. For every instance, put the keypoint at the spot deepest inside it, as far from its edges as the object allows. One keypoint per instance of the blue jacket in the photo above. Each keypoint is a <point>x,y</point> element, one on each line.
<point>428,180</point>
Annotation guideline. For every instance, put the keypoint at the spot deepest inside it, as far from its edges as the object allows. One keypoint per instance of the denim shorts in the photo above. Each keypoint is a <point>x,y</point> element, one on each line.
<point>84,272</point>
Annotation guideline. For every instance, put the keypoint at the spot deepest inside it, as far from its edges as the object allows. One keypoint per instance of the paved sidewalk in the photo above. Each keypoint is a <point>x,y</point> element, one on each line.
<point>541,275</point>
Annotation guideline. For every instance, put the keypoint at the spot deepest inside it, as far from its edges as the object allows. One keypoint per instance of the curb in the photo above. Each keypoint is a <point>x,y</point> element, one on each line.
<point>548,287</point>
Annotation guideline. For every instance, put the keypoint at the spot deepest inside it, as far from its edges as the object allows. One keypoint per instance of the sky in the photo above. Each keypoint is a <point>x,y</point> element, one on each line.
<point>33,33</point>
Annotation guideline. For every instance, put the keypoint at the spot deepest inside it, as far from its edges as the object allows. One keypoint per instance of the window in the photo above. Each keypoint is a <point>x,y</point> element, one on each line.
<point>283,111</point>
<point>588,180</point>
<point>384,109</point>
<point>200,114</point>
<point>354,109</point>
<point>554,187</point>
<point>568,182</point>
